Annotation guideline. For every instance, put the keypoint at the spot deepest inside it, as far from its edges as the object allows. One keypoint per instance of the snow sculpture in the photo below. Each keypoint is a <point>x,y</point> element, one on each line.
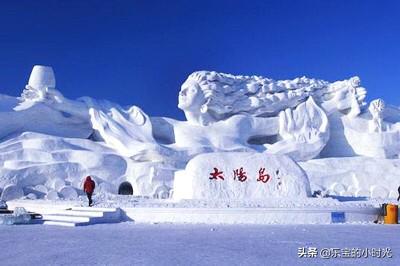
<point>376,108</point>
<point>304,131</point>
<point>128,131</point>
<point>51,141</point>
<point>41,82</point>
<point>11,192</point>
<point>354,176</point>
<point>257,176</point>
<point>369,135</point>
<point>207,97</point>
<point>68,192</point>
<point>224,112</point>
<point>34,111</point>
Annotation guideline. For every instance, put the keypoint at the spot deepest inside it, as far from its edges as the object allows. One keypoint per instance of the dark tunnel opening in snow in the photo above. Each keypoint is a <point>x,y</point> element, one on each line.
<point>125,188</point>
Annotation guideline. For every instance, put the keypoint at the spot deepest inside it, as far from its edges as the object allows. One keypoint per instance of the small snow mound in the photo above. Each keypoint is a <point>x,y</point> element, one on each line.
<point>162,192</point>
<point>379,192</point>
<point>52,195</point>
<point>68,192</point>
<point>56,183</point>
<point>337,189</point>
<point>31,196</point>
<point>11,192</point>
<point>3,205</point>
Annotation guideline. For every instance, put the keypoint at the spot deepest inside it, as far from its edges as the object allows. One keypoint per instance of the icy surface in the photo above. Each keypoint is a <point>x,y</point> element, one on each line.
<point>164,244</point>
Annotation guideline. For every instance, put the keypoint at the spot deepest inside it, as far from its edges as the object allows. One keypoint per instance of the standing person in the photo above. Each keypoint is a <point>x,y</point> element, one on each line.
<point>88,187</point>
<point>398,189</point>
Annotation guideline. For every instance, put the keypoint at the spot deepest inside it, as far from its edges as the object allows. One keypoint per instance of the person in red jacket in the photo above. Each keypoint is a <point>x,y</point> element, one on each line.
<point>88,188</point>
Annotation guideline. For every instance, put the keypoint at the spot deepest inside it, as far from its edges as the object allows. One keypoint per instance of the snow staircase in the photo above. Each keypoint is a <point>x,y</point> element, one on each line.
<point>79,216</point>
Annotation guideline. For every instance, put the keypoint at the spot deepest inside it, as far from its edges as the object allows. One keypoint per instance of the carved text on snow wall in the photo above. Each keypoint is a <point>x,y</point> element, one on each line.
<point>240,175</point>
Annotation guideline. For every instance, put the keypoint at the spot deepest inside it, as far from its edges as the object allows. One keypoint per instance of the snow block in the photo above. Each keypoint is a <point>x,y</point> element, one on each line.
<point>52,195</point>
<point>238,175</point>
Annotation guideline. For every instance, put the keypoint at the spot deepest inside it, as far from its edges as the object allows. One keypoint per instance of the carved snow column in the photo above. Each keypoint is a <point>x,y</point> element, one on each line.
<point>357,96</point>
<point>41,79</point>
<point>41,88</point>
<point>376,108</point>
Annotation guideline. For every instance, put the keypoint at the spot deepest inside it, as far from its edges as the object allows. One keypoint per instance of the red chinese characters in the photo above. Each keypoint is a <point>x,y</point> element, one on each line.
<point>239,174</point>
<point>263,177</point>
<point>216,174</point>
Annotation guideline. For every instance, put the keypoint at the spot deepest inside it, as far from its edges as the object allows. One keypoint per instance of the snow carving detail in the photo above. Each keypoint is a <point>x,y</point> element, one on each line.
<point>376,108</point>
<point>207,97</point>
<point>304,131</point>
<point>41,85</point>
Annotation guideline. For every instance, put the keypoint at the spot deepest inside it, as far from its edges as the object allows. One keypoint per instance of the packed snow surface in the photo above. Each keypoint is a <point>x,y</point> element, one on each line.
<point>166,244</point>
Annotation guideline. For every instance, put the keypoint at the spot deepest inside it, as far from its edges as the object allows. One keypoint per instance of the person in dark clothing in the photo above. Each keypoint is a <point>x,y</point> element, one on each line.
<point>398,190</point>
<point>88,188</point>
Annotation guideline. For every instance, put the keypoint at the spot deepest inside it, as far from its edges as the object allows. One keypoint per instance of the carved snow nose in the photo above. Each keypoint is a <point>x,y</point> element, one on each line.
<point>42,77</point>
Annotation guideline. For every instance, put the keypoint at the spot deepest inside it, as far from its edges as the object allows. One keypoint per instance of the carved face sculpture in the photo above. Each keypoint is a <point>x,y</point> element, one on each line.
<point>191,97</point>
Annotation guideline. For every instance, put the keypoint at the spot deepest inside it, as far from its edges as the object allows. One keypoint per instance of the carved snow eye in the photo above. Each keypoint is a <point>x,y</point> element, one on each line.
<point>183,92</point>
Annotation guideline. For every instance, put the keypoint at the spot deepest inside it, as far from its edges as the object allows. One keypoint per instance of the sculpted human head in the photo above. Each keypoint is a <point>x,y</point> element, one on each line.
<point>191,97</point>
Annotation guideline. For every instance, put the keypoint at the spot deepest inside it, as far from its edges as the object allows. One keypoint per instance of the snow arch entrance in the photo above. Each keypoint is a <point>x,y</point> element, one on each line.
<point>125,188</point>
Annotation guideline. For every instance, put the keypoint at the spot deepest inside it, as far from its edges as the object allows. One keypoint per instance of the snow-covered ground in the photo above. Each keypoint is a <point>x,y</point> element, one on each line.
<point>165,244</point>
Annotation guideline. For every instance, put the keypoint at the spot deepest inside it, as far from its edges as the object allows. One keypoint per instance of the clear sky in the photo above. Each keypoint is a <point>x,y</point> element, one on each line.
<point>140,52</point>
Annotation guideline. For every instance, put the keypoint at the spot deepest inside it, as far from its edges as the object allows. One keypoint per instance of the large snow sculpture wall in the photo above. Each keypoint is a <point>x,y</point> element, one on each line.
<point>232,122</point>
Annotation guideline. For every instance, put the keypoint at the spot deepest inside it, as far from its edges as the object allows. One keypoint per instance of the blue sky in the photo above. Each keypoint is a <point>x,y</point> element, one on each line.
<point>140,52</point>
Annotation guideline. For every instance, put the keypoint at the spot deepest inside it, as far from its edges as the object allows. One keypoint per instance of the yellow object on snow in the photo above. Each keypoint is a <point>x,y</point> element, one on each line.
<point>391,216</point>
